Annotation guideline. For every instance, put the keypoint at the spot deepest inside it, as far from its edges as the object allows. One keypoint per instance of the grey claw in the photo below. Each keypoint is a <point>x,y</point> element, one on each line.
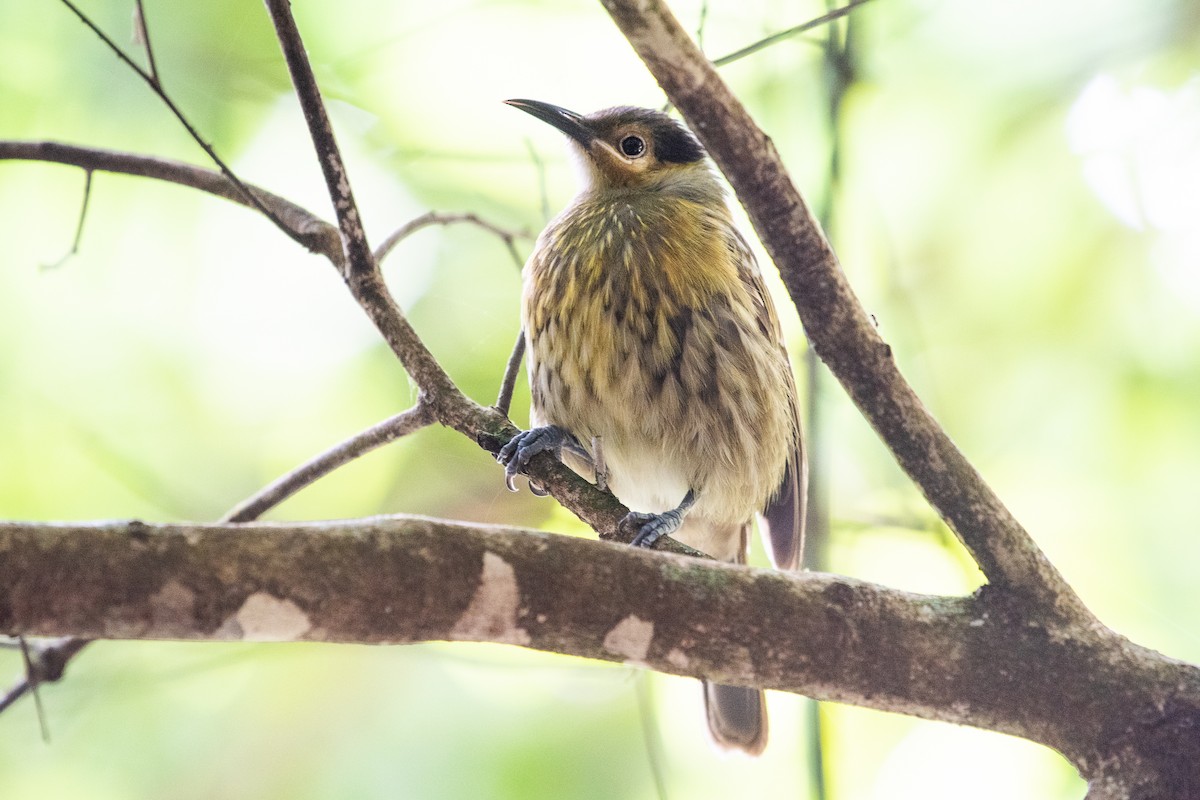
<point>652,527</point>
<point>649,528</point>
<point>506,453</point>
<point>515,455</point>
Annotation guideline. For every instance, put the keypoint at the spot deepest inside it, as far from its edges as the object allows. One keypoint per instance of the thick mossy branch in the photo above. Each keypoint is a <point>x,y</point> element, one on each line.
<point>412,579</point>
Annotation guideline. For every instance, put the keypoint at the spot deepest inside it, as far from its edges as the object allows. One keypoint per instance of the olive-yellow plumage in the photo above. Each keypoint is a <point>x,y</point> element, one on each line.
<point>655,356</point>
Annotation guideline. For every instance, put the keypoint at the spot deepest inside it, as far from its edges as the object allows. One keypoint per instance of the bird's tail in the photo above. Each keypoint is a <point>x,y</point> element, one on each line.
<point>737,717</point>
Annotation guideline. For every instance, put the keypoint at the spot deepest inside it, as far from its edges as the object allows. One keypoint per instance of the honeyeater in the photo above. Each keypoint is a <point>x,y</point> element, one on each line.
<point>656,360</point>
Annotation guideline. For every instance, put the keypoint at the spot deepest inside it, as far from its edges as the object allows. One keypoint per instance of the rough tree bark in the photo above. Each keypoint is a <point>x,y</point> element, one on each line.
<point>1127,717</point>
<point>1022,655</point>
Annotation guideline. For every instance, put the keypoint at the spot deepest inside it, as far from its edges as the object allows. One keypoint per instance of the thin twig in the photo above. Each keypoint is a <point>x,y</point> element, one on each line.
<point>790,32</point>
<point>153,82</point>
<point>31,675</point>
<point>432,218</point>
<point>47,663</point>
<point>509,237</point>
<point>840,68</point>
<point>311,231</point>
<point>374,437</point>
<point>142,36</point>
<point>512,368</point>
<point>83,209</point>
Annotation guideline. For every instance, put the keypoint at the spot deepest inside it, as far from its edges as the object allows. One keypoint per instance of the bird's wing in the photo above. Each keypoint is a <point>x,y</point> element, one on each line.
<point>783,518</point>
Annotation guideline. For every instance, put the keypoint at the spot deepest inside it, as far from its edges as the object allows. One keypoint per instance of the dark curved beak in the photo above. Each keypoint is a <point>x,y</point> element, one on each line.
<point>568,122</point>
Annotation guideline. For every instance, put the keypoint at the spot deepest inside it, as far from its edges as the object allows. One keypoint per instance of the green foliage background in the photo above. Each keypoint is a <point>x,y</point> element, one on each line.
<point>190,353</point>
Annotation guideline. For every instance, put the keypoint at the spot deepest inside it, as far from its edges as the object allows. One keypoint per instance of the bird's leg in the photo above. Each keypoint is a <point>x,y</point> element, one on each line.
<point>598,464</point>
<point>652,527</point>
<point>525,445</point>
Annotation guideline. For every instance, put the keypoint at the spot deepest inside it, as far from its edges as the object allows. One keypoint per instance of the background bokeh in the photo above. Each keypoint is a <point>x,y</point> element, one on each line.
<point>1016,204</point>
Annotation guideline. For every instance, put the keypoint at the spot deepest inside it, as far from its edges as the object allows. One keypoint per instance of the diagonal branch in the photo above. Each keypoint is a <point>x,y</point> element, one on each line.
<point>376,436</point>
<point>796,30</point>
<point>152,80</point>
<point>358,265</point>
<point>486,426</point>
<point>837,326</point>
<point>358,257</point>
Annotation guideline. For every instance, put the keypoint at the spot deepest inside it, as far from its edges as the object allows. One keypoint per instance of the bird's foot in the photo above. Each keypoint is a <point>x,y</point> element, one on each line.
<point>525,445</point>
<point>652,527</point>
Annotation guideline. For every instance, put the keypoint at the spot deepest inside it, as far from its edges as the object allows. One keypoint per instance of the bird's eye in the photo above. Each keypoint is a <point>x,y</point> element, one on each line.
<point>633,146</point>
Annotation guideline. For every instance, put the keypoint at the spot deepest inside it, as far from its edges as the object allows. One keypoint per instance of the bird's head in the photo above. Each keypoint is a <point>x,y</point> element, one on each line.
<point>627,148</point>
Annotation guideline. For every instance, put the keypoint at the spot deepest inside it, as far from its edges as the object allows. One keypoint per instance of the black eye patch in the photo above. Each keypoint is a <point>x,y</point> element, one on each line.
<point>673,142</point>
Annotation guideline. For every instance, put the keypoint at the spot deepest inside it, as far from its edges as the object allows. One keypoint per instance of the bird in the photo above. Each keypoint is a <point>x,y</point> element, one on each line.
<point>656,361</point>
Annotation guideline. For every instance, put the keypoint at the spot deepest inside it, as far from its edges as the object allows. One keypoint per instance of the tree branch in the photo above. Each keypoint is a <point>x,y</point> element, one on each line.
<point>796,30</point>
<point>837,326</point>
<point>47,663</point>
<point>410,579</point>
<point>357,253</point>
<point>309,230</point>
<point>434,218</point>
<point>152,80</point>
<point>376,436</point>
